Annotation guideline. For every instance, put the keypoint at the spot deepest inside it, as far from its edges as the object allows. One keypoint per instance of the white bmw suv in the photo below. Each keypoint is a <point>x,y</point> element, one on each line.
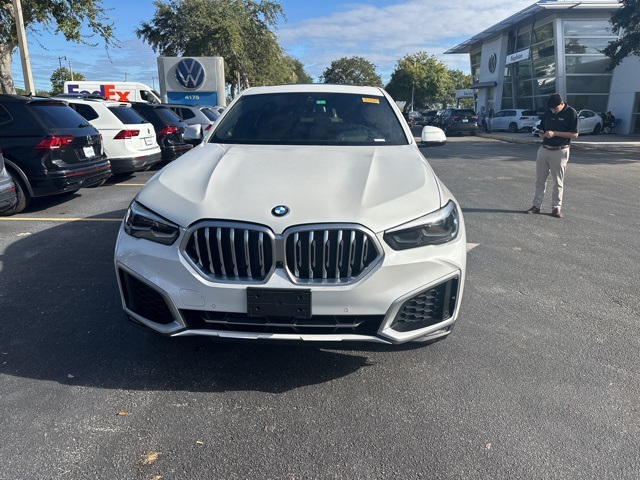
<point>309,214</point>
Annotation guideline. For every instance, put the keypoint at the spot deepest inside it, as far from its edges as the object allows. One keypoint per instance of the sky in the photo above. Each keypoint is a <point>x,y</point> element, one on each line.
<point>315,32</point>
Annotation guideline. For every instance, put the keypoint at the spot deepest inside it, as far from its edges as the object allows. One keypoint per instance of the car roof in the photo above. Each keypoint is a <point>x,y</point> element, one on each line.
<point>95,101</point>
<point>14,97</point>
<point>313,87</point>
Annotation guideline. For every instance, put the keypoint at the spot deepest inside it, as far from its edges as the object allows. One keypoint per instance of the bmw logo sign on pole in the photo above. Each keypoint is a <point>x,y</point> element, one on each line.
<point>279,211</point>
<point>190,73</point>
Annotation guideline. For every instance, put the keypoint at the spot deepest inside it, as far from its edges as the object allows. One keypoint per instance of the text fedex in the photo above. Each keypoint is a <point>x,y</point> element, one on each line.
<point>107,91</point>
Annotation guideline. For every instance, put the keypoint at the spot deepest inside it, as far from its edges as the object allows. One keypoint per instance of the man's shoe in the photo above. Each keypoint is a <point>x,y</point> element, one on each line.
<point>533,209</point>
<point>557,213</point>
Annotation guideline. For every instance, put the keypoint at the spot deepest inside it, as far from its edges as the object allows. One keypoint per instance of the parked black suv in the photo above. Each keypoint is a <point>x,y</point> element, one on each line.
<point>169,128</point>
<point>48,148</point>
<point>458,120</point>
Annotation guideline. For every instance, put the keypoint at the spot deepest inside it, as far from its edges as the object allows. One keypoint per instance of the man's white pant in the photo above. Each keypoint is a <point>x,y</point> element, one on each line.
<point>552,162</point>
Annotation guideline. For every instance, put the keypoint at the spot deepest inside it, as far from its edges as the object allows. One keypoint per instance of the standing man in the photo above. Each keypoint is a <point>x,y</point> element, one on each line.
<point>482,125</point>
<point>558,126</point>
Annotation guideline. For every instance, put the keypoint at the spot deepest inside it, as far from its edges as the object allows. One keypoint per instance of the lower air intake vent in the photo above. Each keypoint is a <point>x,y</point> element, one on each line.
<point>428,307</point>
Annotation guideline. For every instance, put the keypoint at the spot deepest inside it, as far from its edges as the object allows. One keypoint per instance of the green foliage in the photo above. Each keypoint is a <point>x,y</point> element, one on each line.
<point>423,77</point>
<point>65,17</point>
<point>352,71</point>
<point>39,93</point>
<point>460,81</point>
<point>626,20</point>
<point>61,75</point>
<point>300,76</point>
<point>240,31</point>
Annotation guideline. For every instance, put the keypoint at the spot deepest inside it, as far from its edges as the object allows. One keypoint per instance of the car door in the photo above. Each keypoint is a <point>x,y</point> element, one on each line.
<point>586,121</point>
<point>498,120</point>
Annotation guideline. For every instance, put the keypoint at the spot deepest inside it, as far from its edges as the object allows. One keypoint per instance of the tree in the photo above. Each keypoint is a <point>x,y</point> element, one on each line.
<point>460,81</point>
<point>352,71</point>
<point>237,30</point>
<point>300,76</point>
<point>423,78</point>
<point>626,19</point>
<point>61,75</point>
<point>66,17</point>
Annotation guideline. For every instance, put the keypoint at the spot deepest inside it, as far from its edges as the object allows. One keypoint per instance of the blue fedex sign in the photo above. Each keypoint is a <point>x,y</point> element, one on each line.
<point>192,80</point>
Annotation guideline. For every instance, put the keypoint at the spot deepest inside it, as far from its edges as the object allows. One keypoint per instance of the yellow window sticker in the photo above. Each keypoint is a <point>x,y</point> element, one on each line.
<point>370,100</point>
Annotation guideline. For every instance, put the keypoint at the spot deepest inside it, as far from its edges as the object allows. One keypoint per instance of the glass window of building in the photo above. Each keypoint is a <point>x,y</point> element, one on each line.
<point>476,58</point>
<point>533,78</point>
<point>587,79</point>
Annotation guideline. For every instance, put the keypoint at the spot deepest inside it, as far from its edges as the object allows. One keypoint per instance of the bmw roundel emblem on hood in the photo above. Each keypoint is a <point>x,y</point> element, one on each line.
<point>279,211</point>
<point>190,73</point>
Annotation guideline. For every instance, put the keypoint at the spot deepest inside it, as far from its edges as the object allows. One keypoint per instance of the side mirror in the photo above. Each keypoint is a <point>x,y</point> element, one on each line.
<point>433,136</point>
<point>193,134</point>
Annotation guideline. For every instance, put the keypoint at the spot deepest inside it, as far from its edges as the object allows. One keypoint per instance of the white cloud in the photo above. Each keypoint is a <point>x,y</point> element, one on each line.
<point>383,35</point>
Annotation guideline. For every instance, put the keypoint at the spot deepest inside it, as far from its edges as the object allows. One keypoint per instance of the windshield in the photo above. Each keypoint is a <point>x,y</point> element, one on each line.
<point>210,114</point>
<point>310,119</point>
<point>127,115</point>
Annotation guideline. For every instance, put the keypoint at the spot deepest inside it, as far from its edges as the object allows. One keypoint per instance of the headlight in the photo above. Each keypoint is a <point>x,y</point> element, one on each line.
<point>438,227</point>
<point>142,223</point>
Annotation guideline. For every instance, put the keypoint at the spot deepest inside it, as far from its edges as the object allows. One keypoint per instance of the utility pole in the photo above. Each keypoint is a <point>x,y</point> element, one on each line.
<point>24,50</point>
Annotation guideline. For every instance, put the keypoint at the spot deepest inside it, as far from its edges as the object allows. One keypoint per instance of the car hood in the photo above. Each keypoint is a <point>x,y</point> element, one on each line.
<point>377,187</point>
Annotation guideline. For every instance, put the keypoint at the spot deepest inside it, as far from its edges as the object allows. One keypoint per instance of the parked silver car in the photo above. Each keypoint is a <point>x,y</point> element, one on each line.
<point>202,116</point>
<point>8,198</point>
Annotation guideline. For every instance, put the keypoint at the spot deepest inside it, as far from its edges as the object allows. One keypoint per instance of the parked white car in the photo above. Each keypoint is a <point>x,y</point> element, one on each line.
<point>202,116</point>
<point>514,120</point>
<point>129,141</point>
<point>588,122</point>
<point>310,214</point>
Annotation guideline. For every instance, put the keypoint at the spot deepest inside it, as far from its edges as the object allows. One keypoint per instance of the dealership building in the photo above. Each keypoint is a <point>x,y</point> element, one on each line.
<point>554,46</point>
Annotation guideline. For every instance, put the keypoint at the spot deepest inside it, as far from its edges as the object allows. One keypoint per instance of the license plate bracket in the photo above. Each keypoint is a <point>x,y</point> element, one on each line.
<point>278,302</point>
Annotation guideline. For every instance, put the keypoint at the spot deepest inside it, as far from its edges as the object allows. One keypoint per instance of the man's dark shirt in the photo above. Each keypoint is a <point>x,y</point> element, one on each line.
<point>566,120</point>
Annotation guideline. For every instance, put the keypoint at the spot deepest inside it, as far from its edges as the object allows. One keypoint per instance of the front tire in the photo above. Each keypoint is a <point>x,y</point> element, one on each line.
<point>596,129</point>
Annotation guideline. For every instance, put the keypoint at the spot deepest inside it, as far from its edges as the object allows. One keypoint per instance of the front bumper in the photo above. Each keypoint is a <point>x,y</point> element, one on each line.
<point>410,295</point>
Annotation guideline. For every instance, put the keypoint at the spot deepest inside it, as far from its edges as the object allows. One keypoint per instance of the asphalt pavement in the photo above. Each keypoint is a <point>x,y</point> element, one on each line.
<point>539,380</point>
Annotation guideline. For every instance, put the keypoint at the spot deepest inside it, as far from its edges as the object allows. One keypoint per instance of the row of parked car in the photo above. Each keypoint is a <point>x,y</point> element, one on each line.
<point>465,120</point>
<point>58,145</point>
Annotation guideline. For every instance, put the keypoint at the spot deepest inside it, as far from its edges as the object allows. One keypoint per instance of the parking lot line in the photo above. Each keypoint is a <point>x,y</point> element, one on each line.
<point>59,220</point>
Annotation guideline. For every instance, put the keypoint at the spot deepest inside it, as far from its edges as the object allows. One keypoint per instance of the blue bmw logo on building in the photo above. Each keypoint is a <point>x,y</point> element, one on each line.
<point>279,211</point>
<point>190,73</point>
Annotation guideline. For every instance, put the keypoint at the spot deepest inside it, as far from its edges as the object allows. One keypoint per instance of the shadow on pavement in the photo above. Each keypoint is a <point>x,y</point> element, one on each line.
<point>62,321</point>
